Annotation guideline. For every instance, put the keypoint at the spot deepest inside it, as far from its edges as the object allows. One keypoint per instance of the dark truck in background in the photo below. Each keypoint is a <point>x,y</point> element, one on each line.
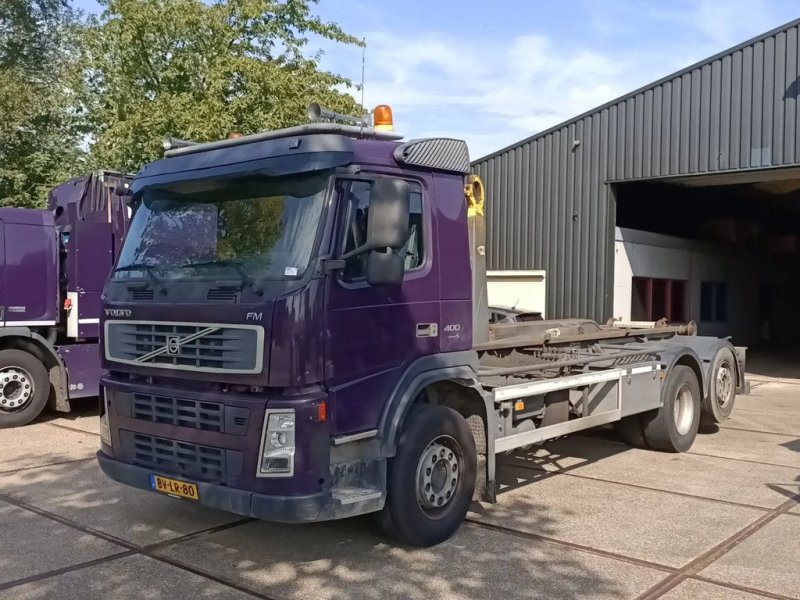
<point>53,265</point>
<point>297,329</point>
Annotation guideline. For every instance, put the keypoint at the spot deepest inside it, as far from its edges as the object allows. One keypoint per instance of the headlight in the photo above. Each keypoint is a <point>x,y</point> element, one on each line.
<point>277,444</point>
<point>105,430</point>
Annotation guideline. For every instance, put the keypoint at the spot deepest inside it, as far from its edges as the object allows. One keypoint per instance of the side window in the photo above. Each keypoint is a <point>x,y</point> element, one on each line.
<point>356,194</point>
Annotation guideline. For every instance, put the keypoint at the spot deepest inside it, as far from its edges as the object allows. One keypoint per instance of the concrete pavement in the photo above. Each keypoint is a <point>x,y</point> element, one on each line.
<point>582,517</point>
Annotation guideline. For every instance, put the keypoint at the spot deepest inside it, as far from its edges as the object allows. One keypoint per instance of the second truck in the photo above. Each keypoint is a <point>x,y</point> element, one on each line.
<point>297,330</point>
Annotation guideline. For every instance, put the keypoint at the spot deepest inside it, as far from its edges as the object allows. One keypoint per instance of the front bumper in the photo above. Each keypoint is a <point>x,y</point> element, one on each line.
<point>285,509</point>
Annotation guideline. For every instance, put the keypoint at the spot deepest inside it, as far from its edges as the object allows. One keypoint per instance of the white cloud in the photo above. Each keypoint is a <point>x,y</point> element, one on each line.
<point>492,93</point>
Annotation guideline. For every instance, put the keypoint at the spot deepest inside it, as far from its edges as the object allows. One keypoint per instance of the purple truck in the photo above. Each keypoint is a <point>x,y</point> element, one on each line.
<point>53,265</point>
<point>296,329</point>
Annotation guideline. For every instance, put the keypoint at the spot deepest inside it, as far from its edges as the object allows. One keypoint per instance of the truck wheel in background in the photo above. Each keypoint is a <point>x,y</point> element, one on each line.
<point>431,478</point>
<point>717,406</point>
<point>673,427</point>
<point>24,388</point>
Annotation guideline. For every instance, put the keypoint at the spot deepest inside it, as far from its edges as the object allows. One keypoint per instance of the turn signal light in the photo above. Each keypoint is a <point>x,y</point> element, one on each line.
<point>322,412</point>
<point>382,118</point>
<point>67,303</point>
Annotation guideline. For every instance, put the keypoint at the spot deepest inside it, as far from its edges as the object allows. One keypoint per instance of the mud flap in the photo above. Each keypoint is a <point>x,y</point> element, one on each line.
<point>59,397</point>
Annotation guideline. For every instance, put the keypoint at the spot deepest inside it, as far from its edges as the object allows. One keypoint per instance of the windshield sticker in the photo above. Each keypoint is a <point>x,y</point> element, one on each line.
<point>290,271</point>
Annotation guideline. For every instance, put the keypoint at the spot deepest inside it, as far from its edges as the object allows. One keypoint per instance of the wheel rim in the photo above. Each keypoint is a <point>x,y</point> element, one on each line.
<point>724,385</point>
<point>439,476</point>
<point>684,409</point>
<point>16,389</point>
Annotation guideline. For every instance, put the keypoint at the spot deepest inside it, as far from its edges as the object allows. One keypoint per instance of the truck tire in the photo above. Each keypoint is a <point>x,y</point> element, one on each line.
<point>24,388</point>
<point>673,427</point>
<point>431,479</point>
<point>718,405</point>
<point>629,430</point>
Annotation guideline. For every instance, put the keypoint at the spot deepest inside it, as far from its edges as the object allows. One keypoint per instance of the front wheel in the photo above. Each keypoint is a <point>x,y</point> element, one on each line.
<point>431,479</point>
<point>24,388</point>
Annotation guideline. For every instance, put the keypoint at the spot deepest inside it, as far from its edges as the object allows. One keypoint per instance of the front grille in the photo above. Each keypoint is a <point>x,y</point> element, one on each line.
<point>186,346</point>
<point>184,412</point>
<point>178,411</point>
<point>182,458</point>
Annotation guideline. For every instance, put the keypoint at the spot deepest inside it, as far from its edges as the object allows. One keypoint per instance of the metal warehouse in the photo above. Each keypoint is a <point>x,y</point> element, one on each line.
<point>680,200</point>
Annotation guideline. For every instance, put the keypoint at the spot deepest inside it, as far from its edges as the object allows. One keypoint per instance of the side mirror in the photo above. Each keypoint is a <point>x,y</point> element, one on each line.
<point>387,222</point>
<point>385,268</point>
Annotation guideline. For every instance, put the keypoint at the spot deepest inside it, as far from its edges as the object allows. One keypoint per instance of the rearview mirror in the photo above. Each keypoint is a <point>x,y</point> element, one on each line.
<point>387,222</point>
<point>385,268</point>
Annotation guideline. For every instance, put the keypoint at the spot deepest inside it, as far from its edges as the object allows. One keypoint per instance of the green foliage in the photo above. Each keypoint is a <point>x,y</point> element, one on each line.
<point>39,129</point>
<point>200,71</point>
<point>115,84</point>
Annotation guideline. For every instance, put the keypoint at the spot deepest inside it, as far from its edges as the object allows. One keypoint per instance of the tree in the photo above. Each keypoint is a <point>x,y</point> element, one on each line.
<point>39,130</point>
<point>200,70</point>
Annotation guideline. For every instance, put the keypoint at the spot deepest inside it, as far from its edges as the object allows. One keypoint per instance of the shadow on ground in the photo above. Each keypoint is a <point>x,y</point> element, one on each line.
<point>342,559</point>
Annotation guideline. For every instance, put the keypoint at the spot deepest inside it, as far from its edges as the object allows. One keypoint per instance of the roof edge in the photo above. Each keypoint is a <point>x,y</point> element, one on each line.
<point>759,38</point>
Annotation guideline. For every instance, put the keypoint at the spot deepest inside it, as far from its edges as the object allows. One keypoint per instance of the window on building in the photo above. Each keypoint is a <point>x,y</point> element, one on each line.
<point>357,194</point>
<point>653,299</point>
<point>713,301</point>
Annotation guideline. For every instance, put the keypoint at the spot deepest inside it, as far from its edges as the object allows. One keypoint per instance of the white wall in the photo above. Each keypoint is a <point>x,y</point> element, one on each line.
<point>645,254</point>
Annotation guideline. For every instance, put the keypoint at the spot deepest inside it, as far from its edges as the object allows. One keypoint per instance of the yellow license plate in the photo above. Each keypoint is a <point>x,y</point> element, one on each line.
<point>174,487</point>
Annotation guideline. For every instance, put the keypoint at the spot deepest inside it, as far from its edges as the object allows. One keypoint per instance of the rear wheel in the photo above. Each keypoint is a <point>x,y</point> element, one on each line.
<point>24,388</point>
<point>718,405</point>
<point>673,427</point>
<point>431,479</point>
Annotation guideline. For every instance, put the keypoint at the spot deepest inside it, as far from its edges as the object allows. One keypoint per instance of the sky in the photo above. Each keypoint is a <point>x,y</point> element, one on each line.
<point>493,73</point>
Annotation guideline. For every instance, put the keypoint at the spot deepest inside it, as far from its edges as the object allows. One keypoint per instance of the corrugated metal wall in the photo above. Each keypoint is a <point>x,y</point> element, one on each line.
<point>549,204</point>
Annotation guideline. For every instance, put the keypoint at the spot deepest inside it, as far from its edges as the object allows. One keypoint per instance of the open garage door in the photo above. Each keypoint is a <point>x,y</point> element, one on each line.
<point>722,250</point>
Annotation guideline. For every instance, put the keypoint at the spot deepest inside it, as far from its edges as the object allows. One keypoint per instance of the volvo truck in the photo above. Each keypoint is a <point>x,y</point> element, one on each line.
<point>297,330</point>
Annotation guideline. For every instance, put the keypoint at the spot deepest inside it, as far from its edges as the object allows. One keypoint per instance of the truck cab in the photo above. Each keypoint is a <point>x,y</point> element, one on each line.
<point>296,329</point>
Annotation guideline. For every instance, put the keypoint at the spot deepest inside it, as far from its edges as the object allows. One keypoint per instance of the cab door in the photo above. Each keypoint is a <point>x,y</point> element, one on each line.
<point>375,332</point>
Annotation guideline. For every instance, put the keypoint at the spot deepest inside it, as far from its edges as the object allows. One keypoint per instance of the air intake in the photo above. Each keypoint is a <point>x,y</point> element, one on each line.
<point>141,295</point>
<point>223,294</point>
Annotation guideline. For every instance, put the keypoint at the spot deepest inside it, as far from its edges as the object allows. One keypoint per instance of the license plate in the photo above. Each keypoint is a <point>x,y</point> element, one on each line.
<point>173,487</point>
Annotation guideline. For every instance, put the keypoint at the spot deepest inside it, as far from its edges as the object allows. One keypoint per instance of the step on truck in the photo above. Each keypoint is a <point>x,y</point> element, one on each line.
<point>297,330</point>
<point>53,265</point>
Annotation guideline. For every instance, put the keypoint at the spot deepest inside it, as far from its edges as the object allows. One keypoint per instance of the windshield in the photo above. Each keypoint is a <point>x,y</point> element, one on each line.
<point>261,229</point>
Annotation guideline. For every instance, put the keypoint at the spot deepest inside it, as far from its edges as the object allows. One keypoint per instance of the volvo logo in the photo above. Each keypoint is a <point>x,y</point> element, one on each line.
<point>173,345</point>
<point>118,312</point>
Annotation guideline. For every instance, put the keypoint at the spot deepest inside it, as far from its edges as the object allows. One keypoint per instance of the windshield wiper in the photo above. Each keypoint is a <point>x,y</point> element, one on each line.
<point>236,264</point>
<point>149,269</point>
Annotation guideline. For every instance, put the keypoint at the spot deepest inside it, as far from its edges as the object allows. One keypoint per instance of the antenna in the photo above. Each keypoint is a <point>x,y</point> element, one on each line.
<point>363,69</point>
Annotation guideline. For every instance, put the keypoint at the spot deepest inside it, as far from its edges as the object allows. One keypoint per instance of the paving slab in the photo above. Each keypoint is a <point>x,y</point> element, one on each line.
<point>760,447</point>
<point>787,423</point>
<point>771,397</point>
<point>709,477</point>
<point>346,559</point>
<point>767,560</point>
<point>649,525</point>
<point>691,589</point>
<point>41,444</point>
<point>89,423</point>
<point>80,491</point>
<point>130,577</point>
<point>32,544</point>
